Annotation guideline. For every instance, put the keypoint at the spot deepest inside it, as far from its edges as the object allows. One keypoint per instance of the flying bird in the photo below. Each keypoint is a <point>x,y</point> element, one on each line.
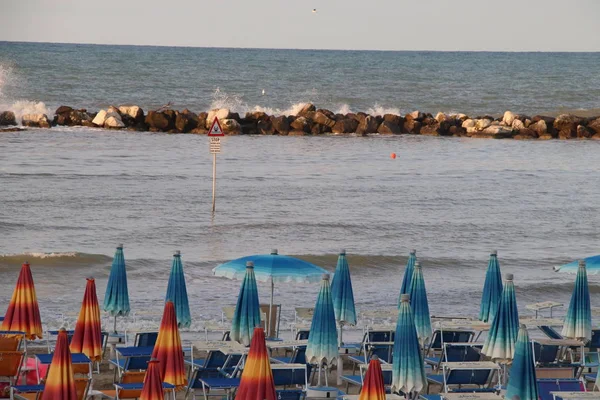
<point>263,92</point>
<point>314,11</point>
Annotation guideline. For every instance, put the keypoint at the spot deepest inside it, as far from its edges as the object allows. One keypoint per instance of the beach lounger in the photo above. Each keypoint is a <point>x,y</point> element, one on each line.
<point>290,375</point>
<point>51,336</point>
<point>81,363</point>
<point>34,392</point>
<point>594,343</point>
<point>442,336</point>
<point>384,350</point>
<point>131,359</point>
<point>477,376</point>
<point>11,340</point>
<point>121,393</point>
<point>550,332</point>
<point>455,352</point>
<point>226,385</point>
<point>545,355</point>
<point>145,339</point>
<point>461,396</point>
<point>10,365</point>
<point>545,386</point>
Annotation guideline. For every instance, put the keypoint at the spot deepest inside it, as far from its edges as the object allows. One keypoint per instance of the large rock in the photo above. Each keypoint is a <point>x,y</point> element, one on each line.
<point>483,123</point>
<point>517,125</point>
<point>186,121</point>
<point>367,125</point>
<point>281,124</point>
<point>345,125</point>
<point>306,108</point>
<point>256,116</point>
<point>389,128</point>
<point>318,129</point>
<point>468,123</point>
<point>539,127</point>
<point>301,124</point>
<point>415,115</point>
<point>508,118</point>
<point>265,127</point>
<point>321,118</point>
<point>134,112</point>
<point>99,118</point>
<point>231,126</point>
<point>7,118</point>
<point>594,125</point>
<point>160,121</point>
<point>497,132</point>
<point>35,120</point>
<point>566,121</point>
<point>412,126</point>
<point>394,119</point>
<point>113,121</point>
<point>525,134</point>
<point>431,129</point>
<point>583,132</point>
<point>63,110</point>
<point>221,113</point>
<point>441,117</point>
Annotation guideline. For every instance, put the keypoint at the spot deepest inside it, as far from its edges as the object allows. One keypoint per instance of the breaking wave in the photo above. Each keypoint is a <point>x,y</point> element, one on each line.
<point>54,258</point>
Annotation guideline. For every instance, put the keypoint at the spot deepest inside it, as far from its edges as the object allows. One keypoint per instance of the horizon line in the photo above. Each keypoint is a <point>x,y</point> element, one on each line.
<point>298,49</point>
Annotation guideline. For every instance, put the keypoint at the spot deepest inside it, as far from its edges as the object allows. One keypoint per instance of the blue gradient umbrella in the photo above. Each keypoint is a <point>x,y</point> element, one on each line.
<point>322,344</point>
<point>247,309</point>
<point>578,322</point>
<point>408,369</point>
<point>341,292</point>
<point>592,266</point>
<point>492,290</point>
<point>177,292</point>
<point>408,273</point>
<point>116,299</point>
<point>272,268</point>
<point>419,304</point>
<point>502,337</point>
<point>522,384</point>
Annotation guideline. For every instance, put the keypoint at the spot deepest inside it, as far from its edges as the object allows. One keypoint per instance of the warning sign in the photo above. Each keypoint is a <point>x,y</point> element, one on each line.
<point>215,128</point>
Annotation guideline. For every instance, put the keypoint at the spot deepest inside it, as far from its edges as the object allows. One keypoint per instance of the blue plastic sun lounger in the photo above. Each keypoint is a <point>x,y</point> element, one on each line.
<point>456,352</point>
<point>477,376</point>
<point>545,386</point>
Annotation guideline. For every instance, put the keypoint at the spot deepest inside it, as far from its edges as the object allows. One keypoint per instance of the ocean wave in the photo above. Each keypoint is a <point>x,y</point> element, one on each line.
<point>54,258</point>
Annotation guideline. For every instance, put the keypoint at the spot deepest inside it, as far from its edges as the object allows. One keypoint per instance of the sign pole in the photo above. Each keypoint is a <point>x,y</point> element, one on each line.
<point>214,180</point>
<point>214,145</point>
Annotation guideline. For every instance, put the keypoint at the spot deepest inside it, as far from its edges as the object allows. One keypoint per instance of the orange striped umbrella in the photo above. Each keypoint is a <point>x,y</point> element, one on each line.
<point>152,389</point>
<point>60,384</point>
<point>87,338</point>
<point>373,386</point>
<point>23,312</point>
<point>257,379</point>
<point>168,349</point>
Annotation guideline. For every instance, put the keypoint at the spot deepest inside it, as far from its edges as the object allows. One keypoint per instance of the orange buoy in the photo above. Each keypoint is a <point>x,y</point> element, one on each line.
<point>393,156</point>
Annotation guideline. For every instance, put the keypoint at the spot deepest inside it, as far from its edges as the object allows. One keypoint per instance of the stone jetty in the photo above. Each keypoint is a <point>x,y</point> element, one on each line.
<point>311,120</point>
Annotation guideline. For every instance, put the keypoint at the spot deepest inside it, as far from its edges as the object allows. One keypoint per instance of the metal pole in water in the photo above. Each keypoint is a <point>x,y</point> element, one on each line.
<point>214,181</point>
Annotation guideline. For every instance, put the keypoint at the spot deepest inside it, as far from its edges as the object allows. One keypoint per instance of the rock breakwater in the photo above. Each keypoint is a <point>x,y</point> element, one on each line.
<point>313,121</point>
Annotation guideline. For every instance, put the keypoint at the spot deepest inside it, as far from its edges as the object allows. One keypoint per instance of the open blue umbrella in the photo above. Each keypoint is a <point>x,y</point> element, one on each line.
<point>177,292</point>
<point>578,322</point>
<point>419,304</point>
<point>341,292</point>
<point>272,268</point>
<point>247,309</point>
<point>408,273</point>
<point>408,369</point>
<point>116,299</point>
<point>500,343</point>
<point>522,384</point>
<point>592,266</point>
<point>322,347</point>
<point>492,290</point>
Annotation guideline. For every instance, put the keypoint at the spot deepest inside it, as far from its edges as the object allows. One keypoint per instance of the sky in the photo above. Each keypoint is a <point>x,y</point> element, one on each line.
<point>463,25</point>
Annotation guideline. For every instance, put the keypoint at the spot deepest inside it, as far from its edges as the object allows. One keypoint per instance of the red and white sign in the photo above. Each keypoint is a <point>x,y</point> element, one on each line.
<point>215,128</point>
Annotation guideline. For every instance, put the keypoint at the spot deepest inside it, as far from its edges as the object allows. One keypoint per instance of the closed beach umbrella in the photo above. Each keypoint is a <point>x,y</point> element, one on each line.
<point>272,268</point>
<point>168,349</point>
<point>578,322</point>
<point>502,337</point>
<point>257,379</point>
<point>592,265</point>
<point>116,299</point>
<point>322,344</point>
<point>342,295</point>
<point>247,309</point>
<point>408,273</point>
<point>522,384</point>
<point>177,292</point>
<point>87,338</point>
<point>419,304</point>
<point>152,388</point>
<point>60,383</point>
<point>492,290</point>
<point>408,369</point>
<point>23,313</point>
<point>373,387</point>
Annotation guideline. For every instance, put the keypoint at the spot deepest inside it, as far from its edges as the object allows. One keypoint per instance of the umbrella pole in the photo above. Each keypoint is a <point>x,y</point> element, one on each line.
<point>319,378</point>
<point>340,363</point>
<point>270,309</point>
<point>115,325</point>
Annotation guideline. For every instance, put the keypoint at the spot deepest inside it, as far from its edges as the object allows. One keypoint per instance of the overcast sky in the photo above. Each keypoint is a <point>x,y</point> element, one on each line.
<point>495,25</point>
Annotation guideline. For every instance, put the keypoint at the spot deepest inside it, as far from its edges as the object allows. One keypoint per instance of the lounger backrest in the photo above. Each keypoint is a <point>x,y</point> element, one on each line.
<point>214,360</point>
<point>303,335</point>
<point>82,385</point>
<point>145,339</point>
<point>461,353</point>
<point>226,336</point>
<point>10,363</point>
<point>81,368</point>
<point>380,336</point>
<point>10,341</point>
<point>384,352</point>
<point>594,343</point>
<point>545,386</point>
<point>544,354</point>
<point>299,355</point>
<point>449,336</point>
<point>137,363</point>
<point>550,332</point>
<point>478,377</point>
<point>289,377</point>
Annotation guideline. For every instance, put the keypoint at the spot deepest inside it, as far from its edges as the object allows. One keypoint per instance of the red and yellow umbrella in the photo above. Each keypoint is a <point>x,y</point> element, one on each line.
<point>23,312</point>
<point>257,379</point>
<point>87,338</point>
<point>152,389</point>
<point>373,386</point>
<point>168,349</point>
<point>60,384</point>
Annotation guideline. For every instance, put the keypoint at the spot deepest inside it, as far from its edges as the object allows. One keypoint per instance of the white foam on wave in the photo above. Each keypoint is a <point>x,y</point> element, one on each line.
<point>381,110</point>
<point>19,107</point>
<point>42,255</point>
<point>22,107</point>
<point>236,103</point>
